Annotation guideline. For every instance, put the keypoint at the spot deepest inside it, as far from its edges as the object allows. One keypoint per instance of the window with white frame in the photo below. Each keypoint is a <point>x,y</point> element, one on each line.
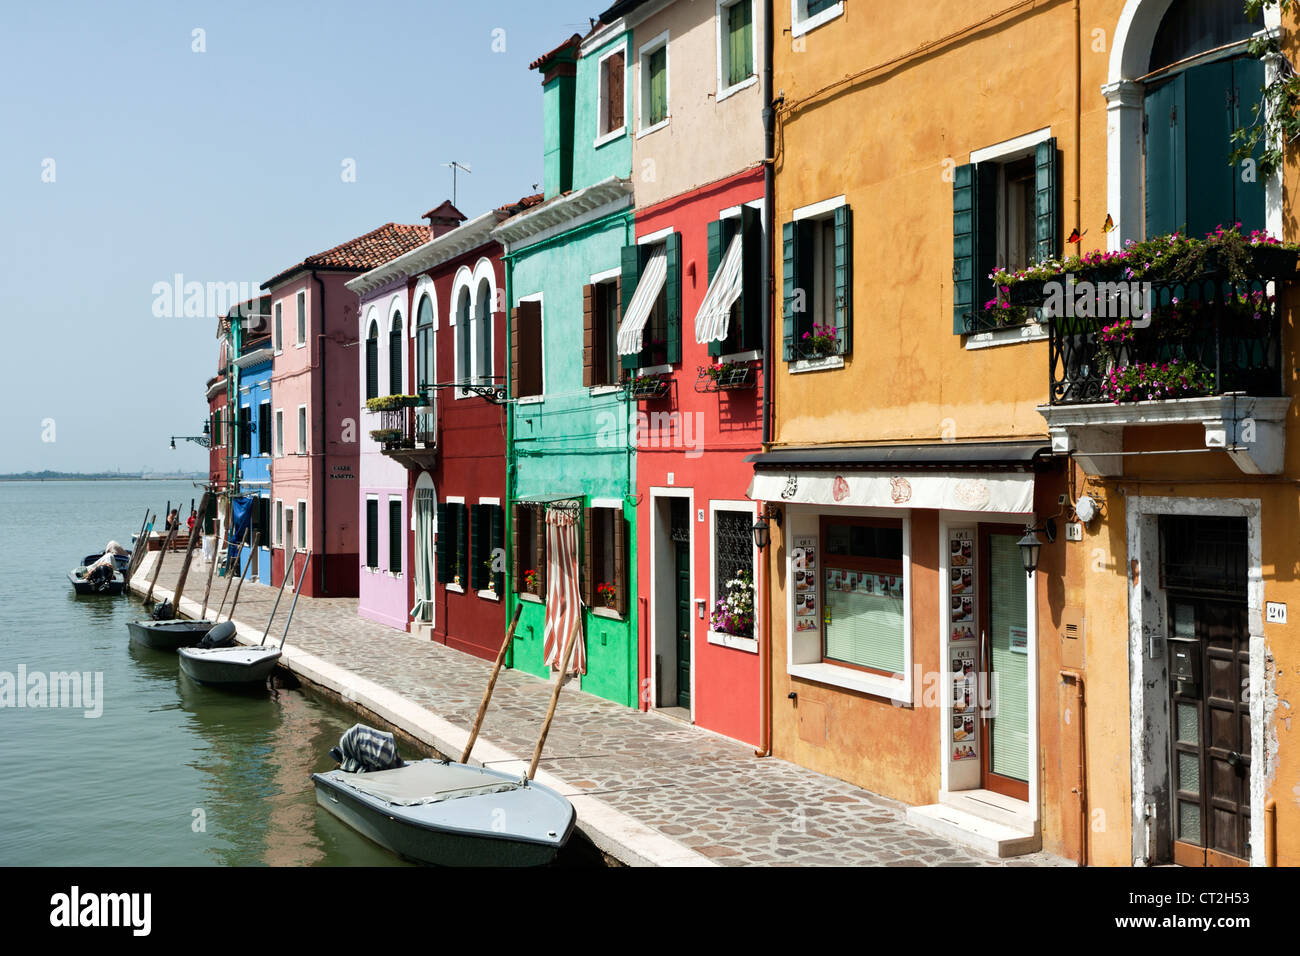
<point>279,522</point>
<point>654,90</point>
<point>808,15</point>
<point>278,330</point>
<point>302,429</point>
<point>287,541</point>
<point>302,523</point>
<point>817,249</point>
<point>484,371</point>
<point>735,43</point>
<point>301,303</point>
<point>733,572</point>
<point>279,433</point>
<point>463,340</point>
<point>612,96</point>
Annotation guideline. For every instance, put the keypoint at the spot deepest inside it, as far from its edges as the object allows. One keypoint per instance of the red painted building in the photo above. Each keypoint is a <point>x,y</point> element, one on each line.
<point>456,460</point>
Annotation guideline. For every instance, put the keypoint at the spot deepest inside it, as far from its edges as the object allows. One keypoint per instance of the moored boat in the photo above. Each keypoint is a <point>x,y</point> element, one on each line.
<point>450,814</point>
<point>228,665</point>
<point>168,635</point>
<point>100,581</point>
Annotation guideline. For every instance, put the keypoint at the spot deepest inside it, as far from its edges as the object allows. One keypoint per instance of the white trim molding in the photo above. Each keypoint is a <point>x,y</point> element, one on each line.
<point>801,22</point>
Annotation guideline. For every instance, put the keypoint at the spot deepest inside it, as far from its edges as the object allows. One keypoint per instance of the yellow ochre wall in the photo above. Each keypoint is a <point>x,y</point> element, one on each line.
<point>880,108</point>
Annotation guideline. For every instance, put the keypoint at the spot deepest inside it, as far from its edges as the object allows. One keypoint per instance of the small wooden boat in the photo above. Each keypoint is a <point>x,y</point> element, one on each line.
<point>168,635</point>
<point>451,814</point>
<point>228,665</point>
<point>243,664</point>
<point>102,581</point>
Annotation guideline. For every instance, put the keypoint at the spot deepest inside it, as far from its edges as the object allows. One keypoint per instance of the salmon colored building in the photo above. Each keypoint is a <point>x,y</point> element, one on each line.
<point>314,389</point>
<point>1125,702</point>
<point>690,341</point>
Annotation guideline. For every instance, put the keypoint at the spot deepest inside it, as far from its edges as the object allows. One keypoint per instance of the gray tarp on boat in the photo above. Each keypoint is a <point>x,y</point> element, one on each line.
<point>363,748</point>
<point>427,781</point>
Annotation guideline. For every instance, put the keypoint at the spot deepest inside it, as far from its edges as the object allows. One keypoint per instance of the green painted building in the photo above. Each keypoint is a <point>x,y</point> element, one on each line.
<point>568,442</point>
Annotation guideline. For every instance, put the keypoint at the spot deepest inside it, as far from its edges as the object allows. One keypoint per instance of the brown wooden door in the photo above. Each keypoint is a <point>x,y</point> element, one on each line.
<point>1004,662</point>
<point>1210,731</point>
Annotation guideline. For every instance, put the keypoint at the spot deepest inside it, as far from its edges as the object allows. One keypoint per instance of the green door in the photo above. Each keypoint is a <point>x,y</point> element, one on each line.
<point>682,565</point>
<point>1191,184</point>
<point>1006,649</point>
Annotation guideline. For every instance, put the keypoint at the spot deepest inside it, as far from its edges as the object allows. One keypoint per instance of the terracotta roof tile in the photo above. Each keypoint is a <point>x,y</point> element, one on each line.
<point>364,252</point>
<point>515,208</point>
<point>546,58</point>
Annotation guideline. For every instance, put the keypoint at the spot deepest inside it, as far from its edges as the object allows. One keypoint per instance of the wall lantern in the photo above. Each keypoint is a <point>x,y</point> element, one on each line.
<point>1030,546</point>
<point>762,532</point>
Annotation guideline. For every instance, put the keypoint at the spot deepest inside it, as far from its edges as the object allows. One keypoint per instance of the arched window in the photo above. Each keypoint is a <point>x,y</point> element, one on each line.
<point>483,336</point>
<point>464,337</point>
<point>425,373</point>
<point>1191,184</point>
<point>395,355</point>
<point>1193,27</point>
<point>372,360</point>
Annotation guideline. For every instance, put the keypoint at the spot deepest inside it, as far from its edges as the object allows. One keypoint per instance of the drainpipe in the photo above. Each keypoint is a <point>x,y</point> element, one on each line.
<point>1270,832</point>
<point>1078,113</point>
<point>323,556</point>
<point>1076,678</point>
<point>765,267</point>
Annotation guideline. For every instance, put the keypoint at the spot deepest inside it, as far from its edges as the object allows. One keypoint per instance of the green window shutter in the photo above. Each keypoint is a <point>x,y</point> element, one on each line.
<point>395,536</point>
<point>986,232</point>
<point>740,35</point>
<point>462,544</point>
<point>372,367</point>
<point>789,288</point>
<point>441,548</point>
<point>673,288</point>
<point>395,343</point>
<point>372,533</point>
<point>963,247</point>
<point>1166,158</point>
<point>1211,178</point>
<point>497,545</point>
<point>658,66</point>
<point>716,248</point>
<point>1248,85</point>
<point>631,272</point>
<point>1047,202</point>
<point>752,287</point>
<point>478,542</point>
<point>844,279</point>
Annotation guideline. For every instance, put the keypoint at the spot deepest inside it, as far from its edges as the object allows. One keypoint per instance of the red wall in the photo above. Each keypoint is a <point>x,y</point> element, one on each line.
<point>727,680</point>
<point>471,454</point>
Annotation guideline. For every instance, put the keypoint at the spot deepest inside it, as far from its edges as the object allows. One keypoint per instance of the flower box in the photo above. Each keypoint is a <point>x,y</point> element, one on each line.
<point>648,387</point>
<point>386,435</point>
<point>724,376</point>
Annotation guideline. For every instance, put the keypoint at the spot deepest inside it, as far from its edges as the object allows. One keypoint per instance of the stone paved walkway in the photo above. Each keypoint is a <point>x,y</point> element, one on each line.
<point>704,792</point>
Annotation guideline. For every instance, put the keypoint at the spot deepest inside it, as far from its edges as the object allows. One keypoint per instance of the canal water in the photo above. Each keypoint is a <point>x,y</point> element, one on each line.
<point>170,773</point>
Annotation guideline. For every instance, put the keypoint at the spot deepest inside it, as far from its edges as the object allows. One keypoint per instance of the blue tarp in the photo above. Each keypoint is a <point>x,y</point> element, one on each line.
<point>241,514</point>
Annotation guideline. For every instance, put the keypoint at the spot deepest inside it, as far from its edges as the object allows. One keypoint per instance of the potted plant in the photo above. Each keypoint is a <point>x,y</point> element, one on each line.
<point>818,342</point>
<point>608,594</point>
<point>1150,381</point>
<point>723,375</point>
<point>648,386</point>
<point>734,613</point>
<point>530,580</point>
<point>386,436</point>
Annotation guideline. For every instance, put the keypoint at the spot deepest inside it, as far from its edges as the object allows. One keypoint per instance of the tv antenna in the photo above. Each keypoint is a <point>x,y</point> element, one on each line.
<point>455,166</point>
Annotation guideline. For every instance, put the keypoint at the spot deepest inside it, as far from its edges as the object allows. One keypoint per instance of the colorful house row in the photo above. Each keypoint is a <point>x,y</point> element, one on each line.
<point>741,375</point>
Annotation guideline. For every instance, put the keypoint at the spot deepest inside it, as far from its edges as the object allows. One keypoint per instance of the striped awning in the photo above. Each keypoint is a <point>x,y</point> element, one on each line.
<point>563,600</point>
<point>643,300</point>
<point>715,311</point>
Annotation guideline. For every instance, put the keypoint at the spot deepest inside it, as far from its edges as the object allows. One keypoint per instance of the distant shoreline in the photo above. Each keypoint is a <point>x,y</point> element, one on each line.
<point>104,478</point>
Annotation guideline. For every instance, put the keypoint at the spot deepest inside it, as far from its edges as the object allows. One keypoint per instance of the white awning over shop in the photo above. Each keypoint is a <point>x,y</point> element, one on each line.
<point>715,311</point>
<point>1002,492</point>
<point>643,300</point>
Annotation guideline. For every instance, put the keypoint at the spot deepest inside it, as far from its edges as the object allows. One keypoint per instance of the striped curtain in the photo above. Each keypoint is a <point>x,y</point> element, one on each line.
<point>563,602</point>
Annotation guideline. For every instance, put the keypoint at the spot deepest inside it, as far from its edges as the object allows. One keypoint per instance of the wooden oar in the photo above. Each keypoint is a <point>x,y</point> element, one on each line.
<point>195,534</point>
<point>148,598</point>
<point>235,600</point>
<point>555,699</point>
<point>492,681</point>
<point>130,565</point>
<point>230,577</point>
<point>297,590</point>
<point>289,569</point>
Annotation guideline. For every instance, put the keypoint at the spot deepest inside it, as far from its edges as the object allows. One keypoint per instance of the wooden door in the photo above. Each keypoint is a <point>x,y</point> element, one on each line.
<point>682,596</point>
<point>1210,732</point>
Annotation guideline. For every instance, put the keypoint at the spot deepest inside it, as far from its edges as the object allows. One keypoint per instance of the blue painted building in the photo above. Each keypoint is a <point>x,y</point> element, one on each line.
<point>254,437</point>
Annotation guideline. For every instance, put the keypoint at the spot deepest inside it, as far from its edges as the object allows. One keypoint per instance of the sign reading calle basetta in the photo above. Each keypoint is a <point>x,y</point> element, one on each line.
<point>1011,493</point>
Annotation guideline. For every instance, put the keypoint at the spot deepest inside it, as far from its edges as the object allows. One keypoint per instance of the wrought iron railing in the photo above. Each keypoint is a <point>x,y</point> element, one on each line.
<point>1203,336</point>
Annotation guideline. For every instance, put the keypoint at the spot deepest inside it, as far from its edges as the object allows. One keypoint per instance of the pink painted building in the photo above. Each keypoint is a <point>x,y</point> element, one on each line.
<point>314,401</point>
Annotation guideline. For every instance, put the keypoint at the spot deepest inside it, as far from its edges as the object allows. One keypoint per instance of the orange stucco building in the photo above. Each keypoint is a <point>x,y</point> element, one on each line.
<point>1128,701</point>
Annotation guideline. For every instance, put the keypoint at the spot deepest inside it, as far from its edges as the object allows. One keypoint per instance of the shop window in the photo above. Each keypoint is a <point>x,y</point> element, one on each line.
<point>862,594</point>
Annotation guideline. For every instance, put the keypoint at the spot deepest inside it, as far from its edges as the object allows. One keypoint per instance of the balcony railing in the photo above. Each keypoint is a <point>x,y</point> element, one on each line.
<point>408,434</point>
<point>1203,336</point>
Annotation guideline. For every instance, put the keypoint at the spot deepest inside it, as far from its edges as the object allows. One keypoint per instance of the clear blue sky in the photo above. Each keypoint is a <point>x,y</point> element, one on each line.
<point>223,166</point>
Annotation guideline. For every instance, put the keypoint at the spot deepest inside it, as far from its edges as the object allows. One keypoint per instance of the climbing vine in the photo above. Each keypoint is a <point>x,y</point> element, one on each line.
<point>1277,115</point>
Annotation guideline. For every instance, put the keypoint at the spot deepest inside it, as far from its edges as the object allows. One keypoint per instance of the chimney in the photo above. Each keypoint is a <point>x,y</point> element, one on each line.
<point>443,219</point>
<point>559,72</point>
